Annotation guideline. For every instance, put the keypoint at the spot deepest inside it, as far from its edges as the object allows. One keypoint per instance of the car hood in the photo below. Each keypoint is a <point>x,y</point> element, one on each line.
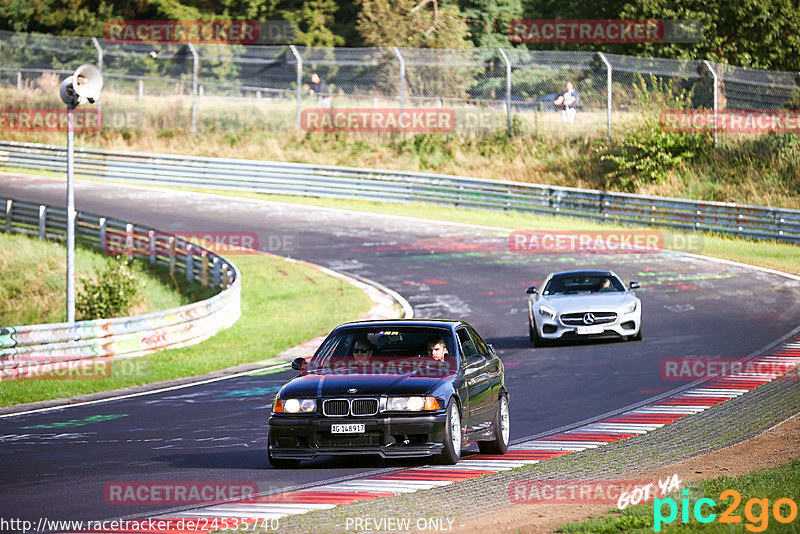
<point>335,385</point>
<point>583,303</point>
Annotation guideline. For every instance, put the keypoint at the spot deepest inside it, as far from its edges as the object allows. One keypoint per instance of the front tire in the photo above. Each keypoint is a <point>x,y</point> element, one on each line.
<point>638,336</point>
<point>538,341</point>
<point>501,431</point>
<point>451,453</point>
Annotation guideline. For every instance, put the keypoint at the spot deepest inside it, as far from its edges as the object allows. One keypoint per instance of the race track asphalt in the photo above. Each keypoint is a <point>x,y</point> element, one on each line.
<point>56,464</point>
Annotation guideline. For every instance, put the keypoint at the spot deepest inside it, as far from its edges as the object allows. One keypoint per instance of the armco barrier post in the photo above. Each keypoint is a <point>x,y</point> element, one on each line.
<point>42,221</point>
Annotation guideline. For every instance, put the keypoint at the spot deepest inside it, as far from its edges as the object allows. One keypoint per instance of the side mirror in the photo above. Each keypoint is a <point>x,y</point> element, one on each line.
<point>634,285</point>
<point>299,364</point>
<point>531,290</point>
<point>475,359</point>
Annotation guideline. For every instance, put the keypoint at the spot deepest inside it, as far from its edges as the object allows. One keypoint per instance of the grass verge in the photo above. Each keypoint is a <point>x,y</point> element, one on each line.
<point>765,488</point>
<point>34,281</point>
<point>283,304</point>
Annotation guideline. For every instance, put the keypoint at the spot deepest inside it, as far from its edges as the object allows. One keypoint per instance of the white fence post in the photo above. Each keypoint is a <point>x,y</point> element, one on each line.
<point>299,82</point>
<point>100,68</point>
<point>402,77</point>
<point>508,91</point>
<point>716,93</point>
<point>195,73</point>
<point>608,91</point>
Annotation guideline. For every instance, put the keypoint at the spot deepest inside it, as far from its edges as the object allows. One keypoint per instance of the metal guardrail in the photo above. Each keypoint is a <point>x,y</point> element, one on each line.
<point>27,351</point>
<point>746,221</point>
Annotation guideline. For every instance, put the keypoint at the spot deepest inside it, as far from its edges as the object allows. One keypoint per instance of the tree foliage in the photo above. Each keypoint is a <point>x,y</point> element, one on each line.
<point>412,24</point>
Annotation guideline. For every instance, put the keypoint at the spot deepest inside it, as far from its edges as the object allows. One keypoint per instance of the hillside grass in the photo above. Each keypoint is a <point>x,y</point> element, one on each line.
<point>34,281</point>
<point>752,169</point>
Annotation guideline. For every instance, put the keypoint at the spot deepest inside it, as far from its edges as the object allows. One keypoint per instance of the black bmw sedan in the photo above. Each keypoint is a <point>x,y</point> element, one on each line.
<point>394,388</point>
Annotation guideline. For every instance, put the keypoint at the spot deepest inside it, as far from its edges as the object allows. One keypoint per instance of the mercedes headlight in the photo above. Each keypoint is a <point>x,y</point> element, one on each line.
<point>547,313</point>
<point>630,308</point>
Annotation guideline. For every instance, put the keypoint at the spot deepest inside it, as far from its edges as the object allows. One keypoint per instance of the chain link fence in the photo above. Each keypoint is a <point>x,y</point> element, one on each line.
<point>170,86</point>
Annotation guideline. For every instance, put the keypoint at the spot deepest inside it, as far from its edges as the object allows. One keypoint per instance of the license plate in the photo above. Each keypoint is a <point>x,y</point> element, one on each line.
<point>583,330</point>
<point>354,428</point>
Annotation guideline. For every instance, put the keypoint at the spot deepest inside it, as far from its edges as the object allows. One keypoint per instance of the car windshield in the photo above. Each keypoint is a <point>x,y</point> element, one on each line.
<point>380,350</point>
<point>583,284</point>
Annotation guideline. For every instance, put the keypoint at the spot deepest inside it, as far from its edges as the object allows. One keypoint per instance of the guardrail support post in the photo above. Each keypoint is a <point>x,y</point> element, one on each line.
<point>102,223</point>
<point>141,89</point>
<point>225,277</point>
<point>172,254</point>
<point>299,82</point>
<point>152,240</point>
<point>129,246</point>
<point>204,268</point>
<point>195,73</point>
<point>402,77</point>
<point>716,95</point>
<point>608,91</point>
<point>508,91</point>
<point>42,221</point>
<point>189,263</point>
<point>216,271</point>
<point>9,207</point>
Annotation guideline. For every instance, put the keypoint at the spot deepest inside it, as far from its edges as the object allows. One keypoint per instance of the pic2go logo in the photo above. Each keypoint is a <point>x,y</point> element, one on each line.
<point>756,523</point>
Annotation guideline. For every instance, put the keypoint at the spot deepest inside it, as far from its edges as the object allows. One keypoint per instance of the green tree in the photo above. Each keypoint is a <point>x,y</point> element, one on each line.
<point>408,23</point>
<point>489,20</point>
<point>761,34</point>
<point>314,20</point>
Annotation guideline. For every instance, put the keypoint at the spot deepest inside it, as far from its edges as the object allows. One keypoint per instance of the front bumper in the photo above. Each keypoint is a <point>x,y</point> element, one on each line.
<point>391,436</point>
<point>624,326</point>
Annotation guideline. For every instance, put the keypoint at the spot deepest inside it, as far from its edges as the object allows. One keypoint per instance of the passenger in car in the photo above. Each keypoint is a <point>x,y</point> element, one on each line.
<point>437,349</point>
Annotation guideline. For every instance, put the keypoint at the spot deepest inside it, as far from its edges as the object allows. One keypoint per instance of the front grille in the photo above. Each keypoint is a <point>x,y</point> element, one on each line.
<point>369,439</point>
<point>364,406</point>
<point>343,407</point>
<point>336,407</point>
<point>576,319</point>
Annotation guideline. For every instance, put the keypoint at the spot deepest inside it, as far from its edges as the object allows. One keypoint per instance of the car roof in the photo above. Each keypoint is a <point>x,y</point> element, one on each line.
<point>399,323</point>
<point>582,272</point>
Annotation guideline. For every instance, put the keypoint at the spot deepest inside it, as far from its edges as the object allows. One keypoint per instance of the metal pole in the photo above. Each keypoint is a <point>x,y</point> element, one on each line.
<point>70,218</point>
<point>195,72</point>
<point>716,93</point>
<point>299,83</point>
<point>402,77</point>
<point>608,91</point>
<point>100,68</point>
<point>508,91</point>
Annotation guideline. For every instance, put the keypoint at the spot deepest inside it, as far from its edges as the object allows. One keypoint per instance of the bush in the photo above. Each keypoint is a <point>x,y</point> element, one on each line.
<point>648,153</point>
<point>110,293</point>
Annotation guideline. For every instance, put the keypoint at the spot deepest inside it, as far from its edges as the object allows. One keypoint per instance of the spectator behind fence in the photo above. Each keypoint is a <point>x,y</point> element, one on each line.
<point>567,103</point>
<point>320,88</point>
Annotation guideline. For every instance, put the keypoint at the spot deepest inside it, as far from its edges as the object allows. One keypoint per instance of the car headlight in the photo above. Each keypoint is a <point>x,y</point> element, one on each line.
<point>411,404</point>
<point>546,312</point>
<point>294,406</point>
<point>630,308</point>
